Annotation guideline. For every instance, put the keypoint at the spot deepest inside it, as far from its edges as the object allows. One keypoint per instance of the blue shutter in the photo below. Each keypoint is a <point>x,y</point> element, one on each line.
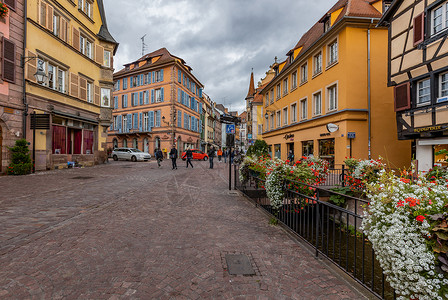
<point>116,102</point>
<point>158,115</point>
<point>118,84</point>
<point>140,127</point>
<point>129,122</point>
<point>152,96</point>
<point>119,125</point>
<point>149,77</point>
<point>200,108</point>
<point>178,95</point>
<point>200,126</point>
<point>179,76</point>
<point>151,119</point>
<point>179,119</point>
<point>153,76</point>
<point>161,75</point>
<point>125,83</point>
<point>135,118</point>
<point>137,80</point>
<point>142,79</point>
<point>141,98</point>
<point>200,93</point>
<point>185,81</point>
<point>161,93</point>
<point>147,97</point>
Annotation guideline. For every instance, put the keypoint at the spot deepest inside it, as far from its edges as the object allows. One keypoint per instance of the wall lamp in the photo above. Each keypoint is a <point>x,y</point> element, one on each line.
<point>40,75</point>
<point>266,115</point>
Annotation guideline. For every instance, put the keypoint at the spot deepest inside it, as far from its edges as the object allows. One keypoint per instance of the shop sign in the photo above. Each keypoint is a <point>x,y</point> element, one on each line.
<point>332,127</point>
<point>325,134</point>
<point>429,128</point>
<point>289,136</point>
<point>8,110</point>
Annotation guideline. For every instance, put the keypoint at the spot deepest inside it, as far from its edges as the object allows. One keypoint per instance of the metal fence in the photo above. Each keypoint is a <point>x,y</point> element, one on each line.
<point>333,231</point>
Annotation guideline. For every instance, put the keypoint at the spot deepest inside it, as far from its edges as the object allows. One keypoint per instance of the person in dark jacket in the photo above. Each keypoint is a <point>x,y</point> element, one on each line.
<point>159,157</point>
<point>211,155</point>
<point>291,157</point>
<point>173,156</point>
<point>189,156</point>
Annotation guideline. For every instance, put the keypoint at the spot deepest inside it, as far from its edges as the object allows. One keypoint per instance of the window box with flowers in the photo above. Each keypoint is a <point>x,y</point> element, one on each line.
<point>3,10</point>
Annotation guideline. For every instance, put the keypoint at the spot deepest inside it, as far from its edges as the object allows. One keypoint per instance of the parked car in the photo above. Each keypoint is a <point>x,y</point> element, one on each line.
<point>197,154</point>
<point>130,154</point>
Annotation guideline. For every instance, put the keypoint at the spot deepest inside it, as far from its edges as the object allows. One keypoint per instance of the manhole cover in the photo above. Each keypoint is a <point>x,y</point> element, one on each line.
<point>82,177</point>
<point>239,264</point>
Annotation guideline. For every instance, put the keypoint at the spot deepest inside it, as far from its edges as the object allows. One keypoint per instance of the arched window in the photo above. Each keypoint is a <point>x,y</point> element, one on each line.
<point>115,143</point>
<point>135,143</point>
<point>125,143</point>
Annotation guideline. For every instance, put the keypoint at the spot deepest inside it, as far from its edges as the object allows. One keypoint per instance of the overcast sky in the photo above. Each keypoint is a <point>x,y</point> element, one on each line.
<point>222,40</point>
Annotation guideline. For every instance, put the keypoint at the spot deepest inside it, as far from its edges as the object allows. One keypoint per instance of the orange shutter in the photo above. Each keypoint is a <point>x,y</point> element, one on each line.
<point>50,18</point>
<point>74,85</point>
<point>82,89</point>
<point>96,99</point>
<point>42,14</point>
<point>419,29</point>
<point>75,38</point>
<point>402,97</point>
<point>31,67</point>
<point>99,54</point>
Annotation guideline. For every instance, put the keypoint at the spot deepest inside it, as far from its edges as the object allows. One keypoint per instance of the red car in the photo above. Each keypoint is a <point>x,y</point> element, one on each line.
<point>197,154</point>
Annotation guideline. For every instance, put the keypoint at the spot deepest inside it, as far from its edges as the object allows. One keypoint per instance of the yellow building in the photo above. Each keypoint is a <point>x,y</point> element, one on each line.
<point>330,98</point>
<point>69,42</point>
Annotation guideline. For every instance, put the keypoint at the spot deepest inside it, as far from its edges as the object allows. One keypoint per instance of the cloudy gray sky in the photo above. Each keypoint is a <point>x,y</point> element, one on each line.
<point>222,40</point>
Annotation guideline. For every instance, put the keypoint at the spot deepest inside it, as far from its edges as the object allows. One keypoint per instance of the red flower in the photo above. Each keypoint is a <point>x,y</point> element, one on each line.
<point>420,218</point>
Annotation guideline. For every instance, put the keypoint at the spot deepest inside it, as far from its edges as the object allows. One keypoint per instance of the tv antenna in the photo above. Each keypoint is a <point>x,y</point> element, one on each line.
<point>143,45</point>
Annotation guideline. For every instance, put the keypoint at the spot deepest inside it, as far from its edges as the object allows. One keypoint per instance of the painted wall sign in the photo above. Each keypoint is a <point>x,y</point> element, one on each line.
<point>332,127</point>
<point>429,128</point>
<point>289,136</point>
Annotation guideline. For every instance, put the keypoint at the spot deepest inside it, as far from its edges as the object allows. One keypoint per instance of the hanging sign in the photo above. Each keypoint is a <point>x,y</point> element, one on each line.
<point>332,127</point>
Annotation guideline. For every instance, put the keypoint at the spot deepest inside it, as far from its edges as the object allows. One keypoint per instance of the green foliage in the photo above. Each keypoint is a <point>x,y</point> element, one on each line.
<point>436,173</point>
<point>21,162</point>
<point>340,200</point>
<point>259,148</point>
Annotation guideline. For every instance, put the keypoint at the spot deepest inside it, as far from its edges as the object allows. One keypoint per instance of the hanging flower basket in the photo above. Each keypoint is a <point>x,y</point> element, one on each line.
<point>3,10</point>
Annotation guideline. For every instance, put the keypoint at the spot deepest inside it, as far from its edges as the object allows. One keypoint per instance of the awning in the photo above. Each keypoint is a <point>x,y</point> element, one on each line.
<point>74,117</point>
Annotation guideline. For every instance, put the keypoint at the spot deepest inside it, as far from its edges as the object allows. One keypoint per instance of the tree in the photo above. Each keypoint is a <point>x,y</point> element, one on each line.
<point>259,148</point>
<point>21,162</point>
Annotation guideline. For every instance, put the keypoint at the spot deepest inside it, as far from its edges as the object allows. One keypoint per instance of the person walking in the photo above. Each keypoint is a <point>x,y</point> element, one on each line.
<point>291,157</point>
<point>159,157</point>
<point>231,155</point>
<point>173,156</point>
<point>219,154</point>
<point>189,155</point>
<point>211,155</point>
<point>225,156</point>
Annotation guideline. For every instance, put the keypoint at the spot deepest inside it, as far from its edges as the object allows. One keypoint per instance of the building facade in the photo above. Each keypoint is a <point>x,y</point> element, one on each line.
<point>157,104</point>
<point>69,42</point>
<point>243,131</point>
<point>12,106</point>
<point>418,71</point>
<point>330,98</point>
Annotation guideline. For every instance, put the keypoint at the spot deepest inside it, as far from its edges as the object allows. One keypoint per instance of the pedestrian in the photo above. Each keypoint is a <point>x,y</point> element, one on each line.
<point>291,157</point>
<point>225,156</point>
<point>219,154</point>
<point>173,156</point>
<point>231,155</point>
<point>159,157</point>
<point>211,155</point>
<point>189,155</point>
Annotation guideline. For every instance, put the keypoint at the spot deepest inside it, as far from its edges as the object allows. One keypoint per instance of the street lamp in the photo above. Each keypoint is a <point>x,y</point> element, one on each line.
<point>266,116</point>
<point>40,75</point>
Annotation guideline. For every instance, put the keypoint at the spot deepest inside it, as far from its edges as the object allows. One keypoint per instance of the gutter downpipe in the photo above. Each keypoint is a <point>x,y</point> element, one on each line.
<point>25,103</point>
<point>369,91</point>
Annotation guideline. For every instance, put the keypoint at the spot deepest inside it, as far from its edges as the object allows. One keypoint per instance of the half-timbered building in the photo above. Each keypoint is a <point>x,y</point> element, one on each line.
<point>418,71</point>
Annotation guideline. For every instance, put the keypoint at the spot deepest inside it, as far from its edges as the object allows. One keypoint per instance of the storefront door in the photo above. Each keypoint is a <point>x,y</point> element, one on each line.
<point>326,151</point>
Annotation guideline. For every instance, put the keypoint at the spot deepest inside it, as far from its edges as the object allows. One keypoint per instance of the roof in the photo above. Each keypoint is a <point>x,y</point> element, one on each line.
<point>251,91</point>
<point>258,96</point>
<point>104,33</point>
<point>390,12</point>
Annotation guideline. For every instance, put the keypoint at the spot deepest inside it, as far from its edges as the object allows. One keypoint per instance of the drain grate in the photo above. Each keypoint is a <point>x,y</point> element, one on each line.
<point>239,264</point>
<point>83,177</point>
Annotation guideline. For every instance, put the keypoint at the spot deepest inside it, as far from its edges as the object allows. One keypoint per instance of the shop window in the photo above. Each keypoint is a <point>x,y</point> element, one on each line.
<point>326,151</point>
<point>88,142</point>
<point>308,148</point>
<point>277,151</point>
<point>441,155</point>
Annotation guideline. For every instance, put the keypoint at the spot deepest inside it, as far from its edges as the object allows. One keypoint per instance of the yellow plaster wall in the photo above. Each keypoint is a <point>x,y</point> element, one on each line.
<point>335,15</point>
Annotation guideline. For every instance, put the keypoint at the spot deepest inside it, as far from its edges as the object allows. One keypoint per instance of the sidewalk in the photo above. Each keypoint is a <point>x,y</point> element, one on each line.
<point>133,231</point>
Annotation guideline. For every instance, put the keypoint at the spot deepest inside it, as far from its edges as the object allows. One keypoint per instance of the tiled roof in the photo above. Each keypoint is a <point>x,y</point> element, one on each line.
<point>258,96</point>
<point>104,33</point>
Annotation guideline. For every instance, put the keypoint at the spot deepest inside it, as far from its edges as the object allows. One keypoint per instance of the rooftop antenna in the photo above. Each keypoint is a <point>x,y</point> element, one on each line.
<point>143,45</point>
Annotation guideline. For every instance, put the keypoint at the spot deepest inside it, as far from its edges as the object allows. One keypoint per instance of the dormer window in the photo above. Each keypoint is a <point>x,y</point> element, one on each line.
<point>327,25</point>
<point>276,70</point>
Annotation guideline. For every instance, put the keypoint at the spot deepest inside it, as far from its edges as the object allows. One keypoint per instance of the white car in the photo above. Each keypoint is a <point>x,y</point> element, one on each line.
<point>130,154</point>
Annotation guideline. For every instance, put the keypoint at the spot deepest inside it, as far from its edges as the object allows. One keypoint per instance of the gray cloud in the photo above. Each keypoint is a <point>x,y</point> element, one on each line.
<point>221,40</point>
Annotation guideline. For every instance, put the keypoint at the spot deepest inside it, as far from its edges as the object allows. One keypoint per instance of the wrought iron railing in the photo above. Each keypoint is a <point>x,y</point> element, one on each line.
<point>333,231</point>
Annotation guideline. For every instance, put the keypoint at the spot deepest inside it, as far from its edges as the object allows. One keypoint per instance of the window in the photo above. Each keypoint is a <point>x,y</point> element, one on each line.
<point>443,88</point>
<point>327,25</point>
<point>61,81</point>
<point>271,93</point>
<point>285,86</point>
<point>439,20</point>
<point>260,128</point>
<point>307,148</point>
<point>56,75</point>
<point>105,97</point>
<point>293,113</point>
<point>56,25</point>
<point>317,63</point>
<point>124,101</point>
<point>285,116</point>
<point>293,80</point>
<point>332,98</point>
<point>51,76</point>
<point>107,58</point>
<point>125,124</point>
<point>159,95</point>
<point>278,119</point>
<point>85,46</point>
<point>278,91</point>
<point>304,73</point>
<point>317,104</point>
<point>86,7</point>
<point>89,92</point>
<point>125,83</point>
<point>272,121</point>
<point>266,99</point>
<point>333,53</point>
<point>424,92</point>
<point>303,109</point>
<point>145,122</point>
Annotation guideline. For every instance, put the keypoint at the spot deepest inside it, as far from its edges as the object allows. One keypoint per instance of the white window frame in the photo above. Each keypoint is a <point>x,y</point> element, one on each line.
<point>329,94</point>
<point>444,18</point>
<point>43,64</point>
<point>317,63</point>
<point>124,124</point>
<point>278,116</point>
<point>293,80</point>
<point>56,25</point>
<point>303,109</point>
<point>419,95</point>
<point>61,80</point>
<point>105,93</point>
<point>107,59</point>
<point>52,77</point>
<point>89,90</point>
<point>285,115</point>
<point>317,104</point>
<point>285,86</point>
<point>279,91</point>
<point>332,52</point>
<point>293,112</point>
<point>272,121</point>
<point>304,73</point>
<point>158,96</point>
<point>441,82</point>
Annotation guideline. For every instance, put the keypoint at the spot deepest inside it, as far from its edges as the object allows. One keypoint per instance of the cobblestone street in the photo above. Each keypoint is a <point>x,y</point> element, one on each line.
<point>133,231</point>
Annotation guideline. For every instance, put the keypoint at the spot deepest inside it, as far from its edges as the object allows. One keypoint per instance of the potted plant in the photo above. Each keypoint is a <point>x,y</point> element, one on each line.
<point>3,10</point>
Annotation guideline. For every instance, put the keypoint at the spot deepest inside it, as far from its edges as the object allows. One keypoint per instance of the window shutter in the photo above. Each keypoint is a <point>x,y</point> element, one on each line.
<point>126,100</point>
<point>419,29</point>
<point>119,123</point>
<point>31,67</point>
<point>50,18</point>
<point>96,98</point>
<point>135,120</point>
<point>129,122</point>
<point>42,14</point>
<point>82,88</point>
<point>151,119</point>
<point>161,93</point>
<point>9,61</point>
<point>178,95</point>
<point>152,97</point>
<point>11,4</point>
<point>402,97</point>
<point>74,84</point>
<point>141,122</point>
<point>153,76</point>
<point>141,98</point>
<point>99,54</point>
<point>118,84</point>
<point>115,102</point>
<point>179,76</point>
<point>161,75</point>
<point>179,119</point>
<point>75,38</point>
<point>147,97</point>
